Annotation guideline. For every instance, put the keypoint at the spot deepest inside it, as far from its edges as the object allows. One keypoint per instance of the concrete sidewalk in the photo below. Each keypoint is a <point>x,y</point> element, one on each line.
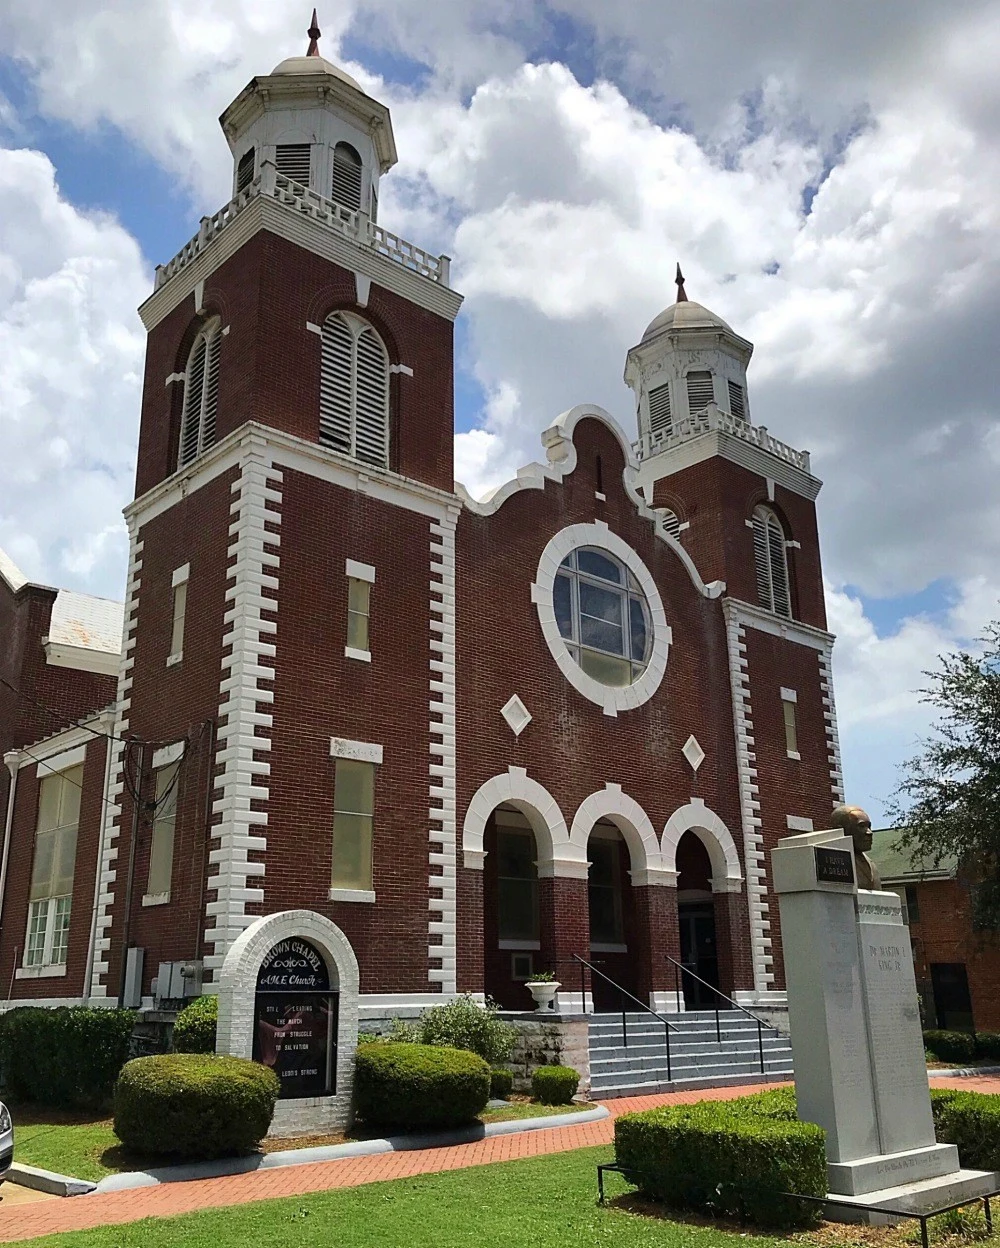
<point>114,1208</point>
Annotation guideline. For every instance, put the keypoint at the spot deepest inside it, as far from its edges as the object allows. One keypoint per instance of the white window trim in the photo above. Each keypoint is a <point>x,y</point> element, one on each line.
<point>362,895</point>
<point>798,823</point>
<point>352,652</point>
<point>44,967</point>
<point>52,970</point>
<point>789,695</point>
<point>359,751</point>
<point>611,699</point>
<point>359,571</point>
<point>179,576</point>
<point>155,899</point>
<point>61,762</point>
<point>794,754</point>
<point>167,754</point>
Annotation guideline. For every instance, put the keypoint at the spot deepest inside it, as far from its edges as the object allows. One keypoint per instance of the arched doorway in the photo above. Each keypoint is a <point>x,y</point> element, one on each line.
<point>611,914</point>
<point>511,920</point>
<point>696,919</point>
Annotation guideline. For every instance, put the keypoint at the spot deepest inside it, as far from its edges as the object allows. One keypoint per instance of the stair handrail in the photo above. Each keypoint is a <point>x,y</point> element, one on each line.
<point>686,970</point>
<point>668,1027</point>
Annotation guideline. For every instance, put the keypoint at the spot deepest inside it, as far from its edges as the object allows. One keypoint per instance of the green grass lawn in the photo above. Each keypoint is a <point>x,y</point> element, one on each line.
<point>86,1147</point>
<point>544,1202</point>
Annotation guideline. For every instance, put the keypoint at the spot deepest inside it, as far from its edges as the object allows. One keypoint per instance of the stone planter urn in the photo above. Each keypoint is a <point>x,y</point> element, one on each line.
<point>544,994</point>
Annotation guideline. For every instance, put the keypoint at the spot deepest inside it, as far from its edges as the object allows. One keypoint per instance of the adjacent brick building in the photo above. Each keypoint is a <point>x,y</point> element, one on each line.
<point>560,726</point>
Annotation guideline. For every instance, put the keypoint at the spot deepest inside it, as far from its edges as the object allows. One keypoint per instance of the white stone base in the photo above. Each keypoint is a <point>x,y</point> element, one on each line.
<point>914,1197</point>
<point>871,1174</point>
<point>667,1002</point>
<point>310,1115</point>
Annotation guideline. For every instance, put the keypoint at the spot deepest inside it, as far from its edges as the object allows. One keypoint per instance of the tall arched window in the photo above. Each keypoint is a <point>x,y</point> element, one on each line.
<point>201,393</point>
<point>346,188</point>
<point>771,561</point>
<point>354,390</point>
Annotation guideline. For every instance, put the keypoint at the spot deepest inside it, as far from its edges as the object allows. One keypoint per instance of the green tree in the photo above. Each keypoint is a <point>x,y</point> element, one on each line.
<point>948,802</point>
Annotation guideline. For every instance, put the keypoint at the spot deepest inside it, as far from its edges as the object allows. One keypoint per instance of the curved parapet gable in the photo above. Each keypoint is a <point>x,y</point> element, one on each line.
<point>560,450</point>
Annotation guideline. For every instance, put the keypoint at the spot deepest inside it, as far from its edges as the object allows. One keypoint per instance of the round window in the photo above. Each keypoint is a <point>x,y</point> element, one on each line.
<point>603,616</point>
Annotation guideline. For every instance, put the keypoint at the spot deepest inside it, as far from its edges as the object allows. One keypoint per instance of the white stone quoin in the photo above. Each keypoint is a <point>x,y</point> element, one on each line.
<point>860,1071</point>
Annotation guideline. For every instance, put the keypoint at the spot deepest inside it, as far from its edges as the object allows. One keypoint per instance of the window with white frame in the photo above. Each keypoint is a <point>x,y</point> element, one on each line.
<point>51,897</point>
<point>178,613</point>
<point>360,578</point>
<point>161,845</point>
<point>517,878</point>
<point>788,702</point>
<point>201,393</point>
<point>771,562</point>
<point>347,170</point>
<point>353,824</point>
<point>602,615</point>
<point>354,389</point>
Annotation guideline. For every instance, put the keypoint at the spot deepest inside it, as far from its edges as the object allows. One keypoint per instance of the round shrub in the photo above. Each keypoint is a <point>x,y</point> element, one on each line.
<point>501,1084</point>
<point>950,1046</point>
<point>194,1105</point>
<point>419,1085</point>
<point>555,1085</point>
<point>194,1031</point>
<point>987,1044</point>
<point>466,1023</point>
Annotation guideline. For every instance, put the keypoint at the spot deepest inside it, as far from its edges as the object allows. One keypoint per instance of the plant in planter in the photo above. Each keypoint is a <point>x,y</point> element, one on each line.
<point>543,987</point>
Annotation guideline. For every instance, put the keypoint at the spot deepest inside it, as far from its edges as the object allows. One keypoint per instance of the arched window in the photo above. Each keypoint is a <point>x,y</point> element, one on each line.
<point>354,390</point>
<point>201,394</point>
<point>346,189</point>
<point>771,561</point>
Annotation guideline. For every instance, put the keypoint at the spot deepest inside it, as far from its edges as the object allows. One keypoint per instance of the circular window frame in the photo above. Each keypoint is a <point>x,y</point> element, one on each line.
<point>612,699</point>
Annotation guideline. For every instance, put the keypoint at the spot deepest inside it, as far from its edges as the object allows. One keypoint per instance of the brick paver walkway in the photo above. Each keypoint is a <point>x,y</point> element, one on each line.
<point>81,1212</point>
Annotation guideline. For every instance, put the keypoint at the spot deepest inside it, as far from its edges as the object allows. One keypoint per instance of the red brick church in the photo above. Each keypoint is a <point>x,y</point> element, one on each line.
<point>484,739</point>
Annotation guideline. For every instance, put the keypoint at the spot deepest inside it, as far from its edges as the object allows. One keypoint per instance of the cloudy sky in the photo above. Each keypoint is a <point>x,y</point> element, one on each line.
<point>827,173</point>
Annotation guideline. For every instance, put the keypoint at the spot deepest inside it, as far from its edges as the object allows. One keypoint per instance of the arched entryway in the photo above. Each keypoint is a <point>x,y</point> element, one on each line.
<point>611,912</point>
<point>696,922</point>
<point>511,915</point>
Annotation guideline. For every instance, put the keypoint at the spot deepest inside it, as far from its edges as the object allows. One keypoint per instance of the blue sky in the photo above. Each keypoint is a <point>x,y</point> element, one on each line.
<point>827,176</point>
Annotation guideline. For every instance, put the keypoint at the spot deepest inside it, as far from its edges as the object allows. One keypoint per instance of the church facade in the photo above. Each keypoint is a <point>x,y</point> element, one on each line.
<point>555,730</point>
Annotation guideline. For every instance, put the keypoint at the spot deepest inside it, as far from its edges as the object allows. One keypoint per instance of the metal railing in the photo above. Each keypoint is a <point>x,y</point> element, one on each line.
<point>622,994</point>
<point>680,970</point>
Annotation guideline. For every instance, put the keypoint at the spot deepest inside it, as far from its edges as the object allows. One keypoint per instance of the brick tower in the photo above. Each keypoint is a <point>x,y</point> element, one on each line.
<point>295,451</point>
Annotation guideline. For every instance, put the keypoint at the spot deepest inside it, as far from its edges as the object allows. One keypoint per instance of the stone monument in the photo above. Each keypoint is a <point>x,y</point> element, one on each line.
<point>860,1071</point>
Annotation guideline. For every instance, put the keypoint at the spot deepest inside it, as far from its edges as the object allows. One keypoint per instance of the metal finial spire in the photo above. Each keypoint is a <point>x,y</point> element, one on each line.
<point>314,33</point>
<point>681,292</point>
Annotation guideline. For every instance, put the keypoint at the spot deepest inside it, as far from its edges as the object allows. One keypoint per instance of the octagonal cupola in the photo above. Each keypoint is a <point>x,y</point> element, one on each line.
<point>318,128</point>
<point>689,359</point>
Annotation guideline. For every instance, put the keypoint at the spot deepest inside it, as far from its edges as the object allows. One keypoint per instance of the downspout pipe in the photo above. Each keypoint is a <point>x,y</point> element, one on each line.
<point>13,759</point>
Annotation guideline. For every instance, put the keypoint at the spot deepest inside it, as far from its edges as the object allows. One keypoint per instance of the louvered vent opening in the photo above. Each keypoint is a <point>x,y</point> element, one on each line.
<point>210,402</point>
<point>194,386</point>
<point>671,522</point>
<point>659,409</point>
<point>372,400</point>
<point>771,563</point>
<point>700,391</point>
<point>737,405</point>
<point>244,171</point>
<point>292,161</point>
<point>335,385</point>
<point>346,188</point>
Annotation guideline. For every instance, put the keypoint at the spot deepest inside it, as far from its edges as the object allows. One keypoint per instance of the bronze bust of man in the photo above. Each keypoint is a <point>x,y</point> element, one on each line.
<point>858,827</point>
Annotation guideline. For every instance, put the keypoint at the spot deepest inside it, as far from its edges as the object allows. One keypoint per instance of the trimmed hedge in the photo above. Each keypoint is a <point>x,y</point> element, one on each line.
<point>194,1105</point>
<point>951,1046</point>
<point>419,1085</point>
<point>727,1158</point>
<point>972,1121</point>
<point>987,1044</point>
<point>501,1083</point>
<point>69,1056</point>
<point>194,1030</point>
<point>555,1085</point>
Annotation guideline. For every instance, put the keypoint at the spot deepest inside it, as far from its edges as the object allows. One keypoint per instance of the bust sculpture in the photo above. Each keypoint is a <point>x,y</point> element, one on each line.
<point>857,825</point>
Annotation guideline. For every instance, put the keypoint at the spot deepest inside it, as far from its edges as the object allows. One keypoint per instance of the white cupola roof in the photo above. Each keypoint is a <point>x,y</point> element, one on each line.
<point>688,360</point>
<point>317,126</point>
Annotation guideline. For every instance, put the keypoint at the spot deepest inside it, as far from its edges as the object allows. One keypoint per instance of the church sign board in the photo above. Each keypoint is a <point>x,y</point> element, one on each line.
<point>295,1019</point>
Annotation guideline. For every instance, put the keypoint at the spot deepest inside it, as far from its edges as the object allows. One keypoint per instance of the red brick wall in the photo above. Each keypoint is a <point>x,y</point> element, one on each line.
<point>15,911</point>
<point>717,498</point>
<point>269,363</point>
<point>170,704</point>
<point>944,933</point>
<point>319,694</point>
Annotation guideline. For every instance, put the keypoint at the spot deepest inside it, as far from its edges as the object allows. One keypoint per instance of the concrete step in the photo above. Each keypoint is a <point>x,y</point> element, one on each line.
<point>678,1060</point>
<point>638,1071</point>
<point>653,1087</point>
<point>683,1045</point>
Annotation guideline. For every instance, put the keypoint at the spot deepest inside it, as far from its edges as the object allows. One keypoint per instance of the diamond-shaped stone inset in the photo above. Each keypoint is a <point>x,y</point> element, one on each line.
<point>693,752</point>
<point>516,714</point>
